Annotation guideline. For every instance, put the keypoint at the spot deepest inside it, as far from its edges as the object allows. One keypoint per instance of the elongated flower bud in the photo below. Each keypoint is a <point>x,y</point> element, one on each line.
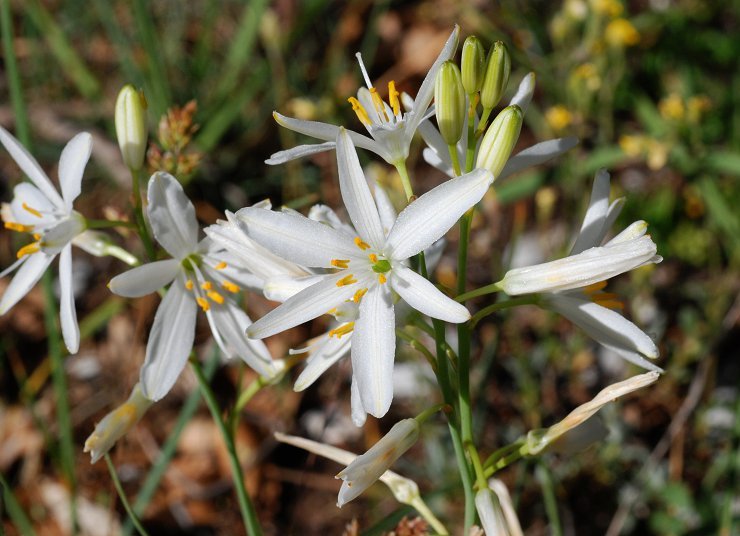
<point>500,139</point>
<point>449,98</point>
<point>473,64</point>
<point>490,513</point>
<point>496,76</point>
<point>131,126</point>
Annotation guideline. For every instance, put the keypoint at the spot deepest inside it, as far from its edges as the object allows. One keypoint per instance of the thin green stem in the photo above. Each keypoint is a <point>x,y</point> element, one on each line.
<point>482,291</point>
<point>139,214</point>
<point>249,515</point>
<point>122,495</point>
<point>418,346</point>
<point>15,88</point>
<point>509,455</point>
<point>483,122</point>
<point>551,502</point>
<point>15,511</point>
<point>470,149</point>
<point>525,300</point>
<point>452,149</point>
<point>403,172</point>
<point>480,476</point>
<point>463,335</point>
<point>429,516</point>
<point>422,417</point>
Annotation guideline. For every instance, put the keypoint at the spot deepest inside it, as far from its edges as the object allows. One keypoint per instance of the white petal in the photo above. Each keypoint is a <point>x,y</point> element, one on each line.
<point>325,215</point>
<point>373,350</point>
<point>72,165</point>
<point>170,342</point>
<point>30,167</point>
<point>145,279</point>
<point>297,238</point>
<point>592,230</point>
<point>299,151</point>
<point>357,411</point>
<point>327,351</point>
<point>356,193</point>
<point>172,215</point>
<point>61,234</point>
<point>426,90</point>
<point>27,193</point>
<point>12,267</point>
<point>420,294</point>
<point>386,210</point>
<point>314,301</point>
<point>524,92</point>
<point>67,312</point>
<point>28,275</point>
<point>428,218</point>
<point>283,287</point>
<point>232,322</point>
<point>433,159</point>
<point>325,131</point>
<point>607,327</point>
<point>537,154</point>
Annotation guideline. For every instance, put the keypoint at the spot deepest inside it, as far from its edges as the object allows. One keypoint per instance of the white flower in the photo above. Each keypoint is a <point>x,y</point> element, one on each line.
<point>116,424</point>
<point>367,266</point>
<point>390,129</point>
<point>538,440</point>
<point>490,513</point>
<point>200,276</point>
<point>437,154</point>
<point>573,284</point>
<point>38,209</point>
<point>367,468</point>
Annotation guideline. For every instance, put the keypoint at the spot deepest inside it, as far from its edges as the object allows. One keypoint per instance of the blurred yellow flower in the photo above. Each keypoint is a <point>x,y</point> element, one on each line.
<point>638,145</point>
<point>588,75</point>
<point>621,33</point>
<point>696,106</point>
<point>632,145</point>
<point>558,117</point>
<point>611,8</point>
<point>672,107</point>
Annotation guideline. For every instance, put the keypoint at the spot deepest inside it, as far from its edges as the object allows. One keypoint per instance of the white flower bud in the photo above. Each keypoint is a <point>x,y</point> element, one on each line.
<point>498,67</point>
<point>449,99</point>
<point>131,128</point>
<point>500,139</point>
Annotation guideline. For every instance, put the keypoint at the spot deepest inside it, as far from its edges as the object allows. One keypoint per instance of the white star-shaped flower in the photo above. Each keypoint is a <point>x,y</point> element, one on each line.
<point>390,128</point>
<point>573,285</point>
<point>38,209</point>
<point>201,276</point>
<point>367,267</point>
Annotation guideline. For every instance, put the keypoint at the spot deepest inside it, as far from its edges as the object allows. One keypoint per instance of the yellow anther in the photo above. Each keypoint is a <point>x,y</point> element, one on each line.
<point>373,258</point>
<point>36,236</point>
<point>332,311</point>
<point>28,249</point>
<point>231,287</point>
<point>607,302</point>
<point>358,295</point>
<point>340,263</point>
<point>221,265</point>
<point>215,296</point>
<point>346,280</point>
<point>31,210</point>
<point>360,244</point>
<point>382,279</point>
<point>360,111</point>
<point>207,285</point>
<point>378,103</point>
<point>189,284</point>
<point>342,330</point>
<point>595,287</point>
<point>203,303</point>
<point>19,227</point>
<point>393,98</point>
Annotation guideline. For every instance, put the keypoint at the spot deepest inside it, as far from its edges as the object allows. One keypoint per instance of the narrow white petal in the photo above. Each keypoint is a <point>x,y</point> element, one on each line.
<point>357,411</point>
<point>314,301</point>
<point>524,92</point>
<point>537,154</point>
<point>592,230</point>
<point>145,279</point>
<point>327,351</point>
<point>67,312</point>
<point>283,287</point>
<point>12,267</point>
<point>426,90</point>
<point>72,165</point>
<point>27,193</point>
<point>386,210</point>
<point>428,218</point>
<point>433,159</point>
<point>423,296</point>
<point>607,327</point>
<point>30,167</point>
<point>373,350</point>
<point>356,193</point>
<point>299,151</point>
<point>170,342</point>
<point>232,323</point>
<point>26,277</point>
<point>296,238</point>
<point>172,215</point>
<point>326,132</point>
<point>325,215</point>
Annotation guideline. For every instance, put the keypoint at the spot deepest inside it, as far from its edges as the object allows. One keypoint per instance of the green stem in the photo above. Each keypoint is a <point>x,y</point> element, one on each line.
<point>429,516</point>
<point>480,476</point>
<point>551,502</point>
<point>525,300</point>
<point>483,121</point>
<point>139,214</point>
<point>22,131</point>
<point>452,149</point>
<point>482,291</point>
<point>249,515</point>
<point>470,150</point>
<point>403,172</point>
<point>503,458</point>
<point>122,255</point>
<point>418,346</point>
<point>122,496</point>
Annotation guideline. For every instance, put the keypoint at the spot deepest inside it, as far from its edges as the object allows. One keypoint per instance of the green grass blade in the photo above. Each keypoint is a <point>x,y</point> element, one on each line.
<point>14,509</point>
<point>161,95</point>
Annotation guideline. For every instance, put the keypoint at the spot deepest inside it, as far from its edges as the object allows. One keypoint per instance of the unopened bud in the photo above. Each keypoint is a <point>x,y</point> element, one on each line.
<point>500,139</point>
<point>496,76</point>
<point>131,126</point>
<point>449,98</point>
<point>473,64</point>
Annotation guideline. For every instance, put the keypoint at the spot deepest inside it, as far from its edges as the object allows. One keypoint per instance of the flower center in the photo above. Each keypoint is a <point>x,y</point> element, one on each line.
<point>379,107</point>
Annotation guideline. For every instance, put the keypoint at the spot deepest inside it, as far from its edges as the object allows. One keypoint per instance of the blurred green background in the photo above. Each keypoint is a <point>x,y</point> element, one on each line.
<point>651,88</point>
